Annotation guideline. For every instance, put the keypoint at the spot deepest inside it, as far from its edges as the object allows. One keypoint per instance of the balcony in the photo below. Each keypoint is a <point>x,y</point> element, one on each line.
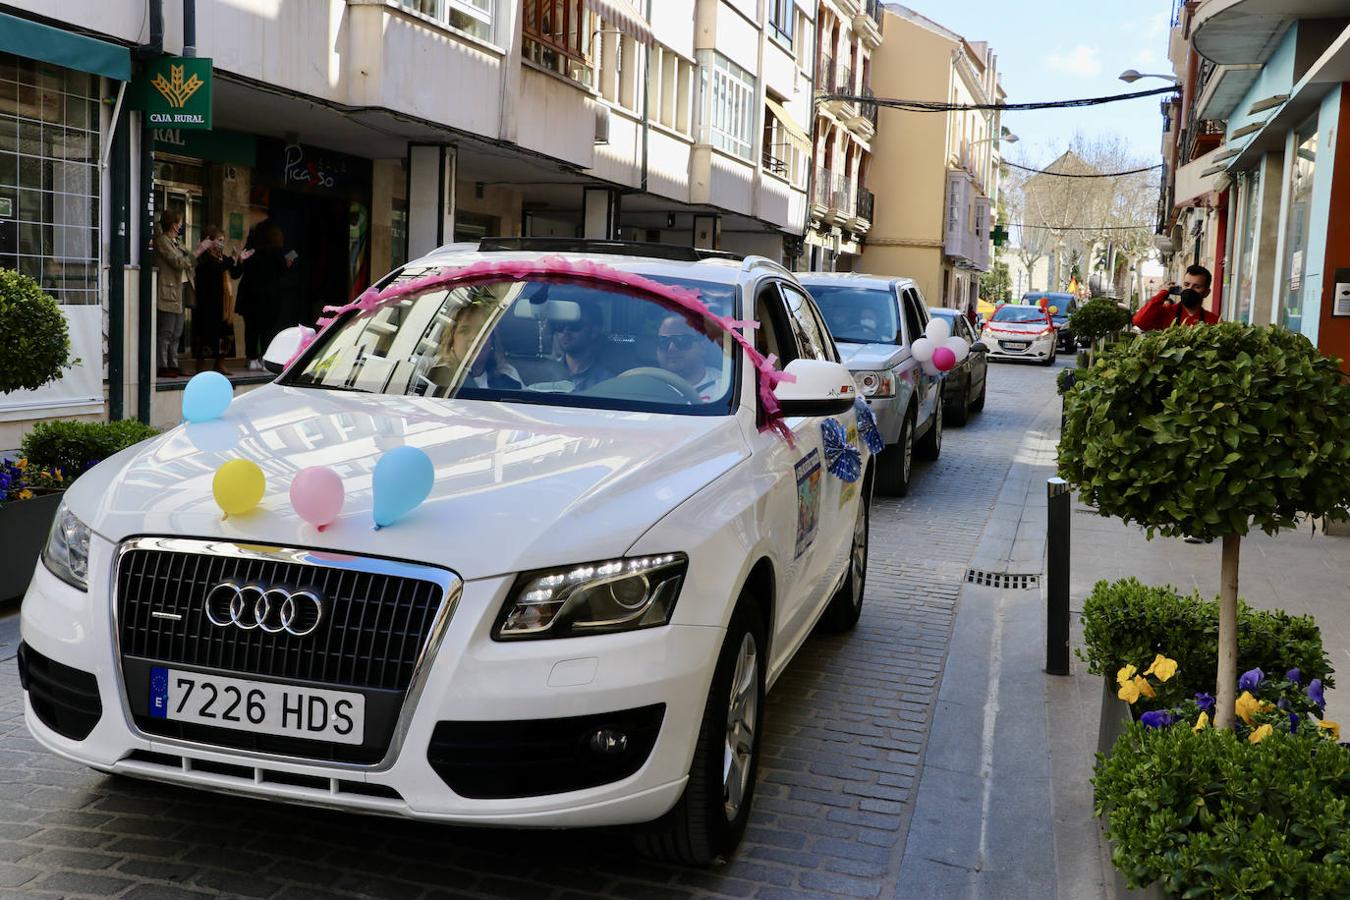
<point>863,209</point>
<point>822,192</point>
<point>831,197</point>
<point>1240,32</point>
<point>835,81</point>
<point>863,122</point>
<point>867,23</point>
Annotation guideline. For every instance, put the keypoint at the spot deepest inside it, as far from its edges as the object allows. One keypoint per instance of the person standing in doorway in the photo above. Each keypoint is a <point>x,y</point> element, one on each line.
<point>260,289</point>
<point>173,262</point>
<point>1160,312</point>
<point>214,270</point>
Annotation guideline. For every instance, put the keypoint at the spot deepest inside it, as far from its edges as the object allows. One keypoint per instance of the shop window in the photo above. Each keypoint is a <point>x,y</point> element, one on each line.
<point>557,36</point>
<point>727,105</point>
<point>1298,226</point>
<point>49,178</point>
<point>472,17</point>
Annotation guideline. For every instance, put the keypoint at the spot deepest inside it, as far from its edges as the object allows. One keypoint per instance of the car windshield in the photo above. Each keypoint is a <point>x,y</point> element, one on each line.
<point>858,315</point>
<point>537,340</point>
<point>1019,314</point>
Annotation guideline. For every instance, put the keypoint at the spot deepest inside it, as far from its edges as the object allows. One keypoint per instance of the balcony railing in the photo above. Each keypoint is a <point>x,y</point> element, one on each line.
<point>868,107</point>
<point>825,73</point>
<point>822,189</point>
<point>866,204</point>
<point>772,163</point>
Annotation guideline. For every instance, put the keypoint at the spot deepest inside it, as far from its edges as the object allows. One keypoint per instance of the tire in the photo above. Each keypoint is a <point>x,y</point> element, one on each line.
<point>895,465</point>
<point>978,405</point>
<point>846,604</point>
<point>931,445</point>
<point>1050,360</point>
<point>699,831</point>
<point>960,412</point>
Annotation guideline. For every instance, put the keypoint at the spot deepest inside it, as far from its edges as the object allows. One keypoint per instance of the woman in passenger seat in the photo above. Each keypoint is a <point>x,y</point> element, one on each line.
<point>489,368</point>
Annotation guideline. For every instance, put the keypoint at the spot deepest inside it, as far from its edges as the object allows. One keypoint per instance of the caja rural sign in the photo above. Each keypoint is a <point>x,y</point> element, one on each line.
<point>175,92</point>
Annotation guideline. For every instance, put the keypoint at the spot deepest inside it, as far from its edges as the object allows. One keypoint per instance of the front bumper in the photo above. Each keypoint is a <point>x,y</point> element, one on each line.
<point>471,682</point>
<point>1002,348</point>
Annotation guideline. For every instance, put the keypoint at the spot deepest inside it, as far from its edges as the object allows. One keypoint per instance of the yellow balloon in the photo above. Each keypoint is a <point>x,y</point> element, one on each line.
<point>238,486</point>
<point>1054,310</point>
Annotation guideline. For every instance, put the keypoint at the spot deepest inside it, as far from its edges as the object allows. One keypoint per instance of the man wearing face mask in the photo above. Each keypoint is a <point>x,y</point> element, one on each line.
<point>1159,312</point>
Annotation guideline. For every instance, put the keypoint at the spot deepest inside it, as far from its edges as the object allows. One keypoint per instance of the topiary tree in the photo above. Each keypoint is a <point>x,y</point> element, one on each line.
<point>1211,431</point>
<point>36,344</point>
<point>1098,318</point>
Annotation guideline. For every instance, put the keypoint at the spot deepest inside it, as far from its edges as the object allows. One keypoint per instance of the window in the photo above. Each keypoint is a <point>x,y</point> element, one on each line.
<point>805,43</point>
<point>781,15</point>
<point>914,323</point>
<point>1250,212</point>
<point>785,147</point>
<point>469,16</point>
<point>1298,226</point>
<point>672,82</point>
<point>557,36</point>
<point>810,332</point>
<point>726,105</point>
<point>858,315</point>
<point>49,177</point>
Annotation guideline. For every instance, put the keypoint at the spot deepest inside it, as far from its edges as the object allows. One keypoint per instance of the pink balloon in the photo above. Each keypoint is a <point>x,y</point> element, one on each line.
<point>944,359</point>
<point>317,495</point>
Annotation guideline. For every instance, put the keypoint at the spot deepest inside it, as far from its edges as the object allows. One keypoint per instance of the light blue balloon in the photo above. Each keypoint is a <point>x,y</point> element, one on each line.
<point>403,479</point>
<point>207,396</point>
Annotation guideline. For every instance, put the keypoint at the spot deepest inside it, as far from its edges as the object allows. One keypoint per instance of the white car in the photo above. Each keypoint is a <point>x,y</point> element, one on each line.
<point>576,628</point>
<point>1020,332</point>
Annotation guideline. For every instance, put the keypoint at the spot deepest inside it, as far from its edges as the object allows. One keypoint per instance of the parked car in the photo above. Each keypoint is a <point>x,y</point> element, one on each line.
<point>576,628</point>
<point>1061,305</point>
<point>875,320</point>
<point>1020,332</point>
<point>968,383</point>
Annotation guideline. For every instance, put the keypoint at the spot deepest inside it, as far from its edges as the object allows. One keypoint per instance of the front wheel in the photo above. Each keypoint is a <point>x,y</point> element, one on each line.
<point>896,462</point>
<point>710,818</point>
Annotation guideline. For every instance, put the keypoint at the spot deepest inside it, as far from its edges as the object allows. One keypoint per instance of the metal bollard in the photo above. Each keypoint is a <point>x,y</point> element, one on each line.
<point>1058,502</point>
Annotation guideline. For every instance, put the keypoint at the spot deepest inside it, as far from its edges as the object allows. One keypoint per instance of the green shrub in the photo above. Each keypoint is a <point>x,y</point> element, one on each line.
<point>1065,379</point>
<point>1098,318</point>
<point>36,343</point>
<point>1127,623</point>
<point>73,447</point>
<point>1208,814</point>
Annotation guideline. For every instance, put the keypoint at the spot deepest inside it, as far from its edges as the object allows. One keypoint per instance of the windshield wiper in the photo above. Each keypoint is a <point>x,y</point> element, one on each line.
<point>327,387</point>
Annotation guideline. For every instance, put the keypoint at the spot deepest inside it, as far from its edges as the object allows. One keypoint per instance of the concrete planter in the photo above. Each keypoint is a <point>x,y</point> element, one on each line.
<point>1115,718</point>
<point>23,532</point>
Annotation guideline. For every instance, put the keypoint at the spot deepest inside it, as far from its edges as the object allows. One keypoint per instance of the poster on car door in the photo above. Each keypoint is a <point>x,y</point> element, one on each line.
<point>808,500</point>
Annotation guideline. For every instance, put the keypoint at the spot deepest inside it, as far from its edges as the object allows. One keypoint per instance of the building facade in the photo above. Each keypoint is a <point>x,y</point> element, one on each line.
<point>372,131</point>
<point>842,208</point>
<point>945,165</point>
<point>1255,179</point>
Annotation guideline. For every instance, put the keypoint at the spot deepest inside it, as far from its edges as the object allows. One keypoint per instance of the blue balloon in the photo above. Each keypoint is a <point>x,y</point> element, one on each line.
<point>403,479</point>
<point>207,396</point>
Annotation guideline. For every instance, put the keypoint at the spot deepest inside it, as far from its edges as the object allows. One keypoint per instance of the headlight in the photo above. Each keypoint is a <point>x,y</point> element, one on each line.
<point>875,384</point>
<point>594,598</point>
<point>67,552</point>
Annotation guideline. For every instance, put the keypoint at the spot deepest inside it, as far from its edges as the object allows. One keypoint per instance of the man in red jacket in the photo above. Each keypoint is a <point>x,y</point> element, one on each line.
<point>1159,312</point>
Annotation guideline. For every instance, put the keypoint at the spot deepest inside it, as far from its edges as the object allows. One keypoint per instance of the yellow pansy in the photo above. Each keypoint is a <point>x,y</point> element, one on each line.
<point>22,464</point>
<point>1332,727</point>
<point>25,494</point>
<point>1145,689</point>
<point>1260,734</point>
<point>1247,706</point>
<point>1162,667</point>
<point>1129,691</point>
<point>1125,674</point>
<point>1201,723</point>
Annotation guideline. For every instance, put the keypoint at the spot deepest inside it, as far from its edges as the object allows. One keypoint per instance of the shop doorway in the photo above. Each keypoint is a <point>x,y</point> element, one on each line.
<point>317,230</point>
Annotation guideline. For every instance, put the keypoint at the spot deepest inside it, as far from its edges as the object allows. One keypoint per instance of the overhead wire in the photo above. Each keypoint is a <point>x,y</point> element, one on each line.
<point>942,106</point>
<point>1014,165</point>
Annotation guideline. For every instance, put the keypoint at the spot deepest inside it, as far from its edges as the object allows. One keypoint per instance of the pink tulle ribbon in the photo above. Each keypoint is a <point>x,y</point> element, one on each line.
<point>685,300</point>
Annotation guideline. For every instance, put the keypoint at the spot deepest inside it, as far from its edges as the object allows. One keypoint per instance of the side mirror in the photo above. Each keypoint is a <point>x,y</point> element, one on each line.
<point>978,347</point>
<point>284,346</point>
<point>822,388</point>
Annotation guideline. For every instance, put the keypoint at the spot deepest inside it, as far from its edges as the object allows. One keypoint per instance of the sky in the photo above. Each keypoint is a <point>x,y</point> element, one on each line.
<point>1067,49</point>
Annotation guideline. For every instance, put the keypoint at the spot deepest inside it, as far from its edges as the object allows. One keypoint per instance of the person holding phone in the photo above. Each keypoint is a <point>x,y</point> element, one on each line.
<point>1161,311</point>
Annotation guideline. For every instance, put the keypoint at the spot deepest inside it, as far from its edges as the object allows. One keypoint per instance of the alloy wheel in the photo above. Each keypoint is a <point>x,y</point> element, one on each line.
<point>742,713</point>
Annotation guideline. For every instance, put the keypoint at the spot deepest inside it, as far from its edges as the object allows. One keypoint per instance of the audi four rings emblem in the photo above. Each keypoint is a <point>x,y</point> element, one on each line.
<point>273,609</point>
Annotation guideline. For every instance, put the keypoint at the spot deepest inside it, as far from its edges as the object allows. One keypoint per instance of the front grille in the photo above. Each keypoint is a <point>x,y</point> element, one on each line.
<point>371,635</point>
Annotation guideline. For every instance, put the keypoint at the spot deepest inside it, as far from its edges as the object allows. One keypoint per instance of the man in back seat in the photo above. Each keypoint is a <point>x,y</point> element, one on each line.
<point>581,342</point>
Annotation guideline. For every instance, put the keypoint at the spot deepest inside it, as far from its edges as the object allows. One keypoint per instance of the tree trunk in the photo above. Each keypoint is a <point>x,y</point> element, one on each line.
<point>1225,693</point>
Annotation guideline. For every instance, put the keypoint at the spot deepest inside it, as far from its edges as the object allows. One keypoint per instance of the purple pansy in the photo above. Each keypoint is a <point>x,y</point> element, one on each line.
<point>1294,675</point>
<point>1157,718</point>
<point>1205,702</point>
<point>1250,679</point>
<point>1314,692</point>
<point>1293,722</point>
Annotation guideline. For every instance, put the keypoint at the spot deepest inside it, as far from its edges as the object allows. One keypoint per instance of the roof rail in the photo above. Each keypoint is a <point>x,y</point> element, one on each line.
<point>752,262</point>
<point>678,252</point>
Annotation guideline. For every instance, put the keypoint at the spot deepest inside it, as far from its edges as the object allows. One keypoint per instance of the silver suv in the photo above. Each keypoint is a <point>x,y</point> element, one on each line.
<point>874,320</point>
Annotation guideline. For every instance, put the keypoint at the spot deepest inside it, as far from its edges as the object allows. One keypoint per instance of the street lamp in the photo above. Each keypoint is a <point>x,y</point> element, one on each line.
<point>1130,76</point>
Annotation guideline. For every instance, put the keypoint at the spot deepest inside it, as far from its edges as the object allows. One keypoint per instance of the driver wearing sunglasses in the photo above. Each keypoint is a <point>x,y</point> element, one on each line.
<point>682,351</point>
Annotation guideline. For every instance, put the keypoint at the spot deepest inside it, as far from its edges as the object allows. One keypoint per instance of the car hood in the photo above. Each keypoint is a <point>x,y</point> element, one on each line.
<point>517,486</point>
<point>1018,327</point>
<point>869,357</point>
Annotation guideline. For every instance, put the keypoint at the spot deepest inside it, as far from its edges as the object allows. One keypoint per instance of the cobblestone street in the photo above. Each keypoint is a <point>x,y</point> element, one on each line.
<point>847,729</point>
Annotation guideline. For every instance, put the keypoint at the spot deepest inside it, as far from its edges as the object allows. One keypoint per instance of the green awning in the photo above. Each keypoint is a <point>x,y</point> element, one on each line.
<point>63,48</point>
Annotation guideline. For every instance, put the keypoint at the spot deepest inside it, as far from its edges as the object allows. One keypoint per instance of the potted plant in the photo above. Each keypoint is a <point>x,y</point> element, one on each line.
<point>36,347</point>
<point>1209,432</point>
<point>1095,320</point>
<point>53,455</point>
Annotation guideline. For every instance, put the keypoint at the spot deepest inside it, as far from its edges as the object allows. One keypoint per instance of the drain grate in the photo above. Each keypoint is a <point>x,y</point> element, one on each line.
<point>1004,581</point>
